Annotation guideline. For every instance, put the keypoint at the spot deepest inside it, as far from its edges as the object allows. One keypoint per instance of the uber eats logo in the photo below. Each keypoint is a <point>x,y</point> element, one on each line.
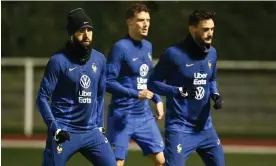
<point>85,95</point>
<point>200,79</point>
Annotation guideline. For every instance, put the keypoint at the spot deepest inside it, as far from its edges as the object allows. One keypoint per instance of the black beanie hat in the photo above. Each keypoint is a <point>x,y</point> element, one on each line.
<point>77,19</point>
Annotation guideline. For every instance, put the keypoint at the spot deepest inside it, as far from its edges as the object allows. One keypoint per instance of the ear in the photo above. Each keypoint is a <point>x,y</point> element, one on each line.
<point>129,21</point>
<point>191,29</point>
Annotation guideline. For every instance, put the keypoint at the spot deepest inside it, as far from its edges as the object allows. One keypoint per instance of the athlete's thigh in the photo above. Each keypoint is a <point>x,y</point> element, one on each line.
<point>210,149</point>
<point>212,156</point>
<point>118,134</point>
<point>58,154</point>
<point>147,135</point>
<point>178,146</point>
<point>97,149</point>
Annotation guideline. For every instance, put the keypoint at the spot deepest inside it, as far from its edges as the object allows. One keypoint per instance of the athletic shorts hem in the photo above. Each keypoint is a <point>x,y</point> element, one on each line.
<point>153,152</point>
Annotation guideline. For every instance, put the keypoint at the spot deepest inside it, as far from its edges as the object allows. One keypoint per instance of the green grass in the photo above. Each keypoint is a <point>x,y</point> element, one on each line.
<point>27,157</point>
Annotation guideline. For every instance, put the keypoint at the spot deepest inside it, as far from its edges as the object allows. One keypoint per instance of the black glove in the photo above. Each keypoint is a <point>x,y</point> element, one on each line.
<point>218,101</point>
<point>61,136</point>
<point>189,93</point>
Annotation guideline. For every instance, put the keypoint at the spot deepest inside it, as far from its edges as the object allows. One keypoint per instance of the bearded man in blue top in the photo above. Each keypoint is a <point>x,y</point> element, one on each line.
<point>189,71</point>
<point>71,98</point>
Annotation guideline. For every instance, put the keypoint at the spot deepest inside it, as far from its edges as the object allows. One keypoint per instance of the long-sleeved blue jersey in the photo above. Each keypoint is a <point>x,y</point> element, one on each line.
<point>128,67</point>
<point>71,95</point>
<point>184,65</point>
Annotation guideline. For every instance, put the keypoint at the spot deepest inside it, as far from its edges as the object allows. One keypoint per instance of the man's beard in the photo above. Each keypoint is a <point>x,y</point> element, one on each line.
<point>80,50</point>
<point>80,44</point>
<point>201,41</point>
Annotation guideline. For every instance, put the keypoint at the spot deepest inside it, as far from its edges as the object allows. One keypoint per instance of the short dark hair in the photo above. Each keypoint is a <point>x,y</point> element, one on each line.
<point>199,15</point>
<point>137,7</point>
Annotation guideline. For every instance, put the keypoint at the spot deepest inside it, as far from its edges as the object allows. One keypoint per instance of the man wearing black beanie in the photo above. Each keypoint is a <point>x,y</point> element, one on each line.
<point>79,27</point>
<point>71,98</point>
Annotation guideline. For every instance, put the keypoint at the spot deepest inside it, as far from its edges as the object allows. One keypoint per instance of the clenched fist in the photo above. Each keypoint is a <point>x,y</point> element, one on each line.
<point>145,94</point>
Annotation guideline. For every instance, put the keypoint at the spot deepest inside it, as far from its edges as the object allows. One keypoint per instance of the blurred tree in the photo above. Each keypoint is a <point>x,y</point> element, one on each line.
<point>244,30</point>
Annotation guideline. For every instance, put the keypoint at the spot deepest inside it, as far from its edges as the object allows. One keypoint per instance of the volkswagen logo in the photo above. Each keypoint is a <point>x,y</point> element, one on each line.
<point>144,69</point>
<point>85,81</point>
<point>200,93</point>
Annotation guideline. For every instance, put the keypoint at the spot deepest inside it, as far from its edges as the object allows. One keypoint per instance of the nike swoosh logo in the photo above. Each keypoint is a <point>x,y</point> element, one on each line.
<point>71,69</point>
<point>134,59</point>
<point>189,65</point>
<point>185,94</point>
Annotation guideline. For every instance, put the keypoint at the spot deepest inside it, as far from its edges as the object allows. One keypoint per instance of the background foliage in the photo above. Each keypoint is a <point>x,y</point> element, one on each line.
<point>244,30</point>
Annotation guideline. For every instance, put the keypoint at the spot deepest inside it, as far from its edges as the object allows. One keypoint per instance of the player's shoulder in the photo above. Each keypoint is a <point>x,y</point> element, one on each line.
<point>146,43</point>
<point>58,58</point>
<point>57,61</point>
<point>120,48</point>
<point>213,51</point>
<point>168,55</point>
<point>173,50</point>
<point>122,44</point>
<point>98,55</point>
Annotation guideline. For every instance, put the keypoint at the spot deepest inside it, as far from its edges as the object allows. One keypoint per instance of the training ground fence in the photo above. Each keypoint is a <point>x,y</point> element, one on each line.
<point>248,89</point>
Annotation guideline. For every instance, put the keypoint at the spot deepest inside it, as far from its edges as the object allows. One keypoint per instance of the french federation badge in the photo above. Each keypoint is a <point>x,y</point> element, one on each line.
<point>150,57</point>
<point>59,148</point>
<point>94,67</point>
<point>209,64</point>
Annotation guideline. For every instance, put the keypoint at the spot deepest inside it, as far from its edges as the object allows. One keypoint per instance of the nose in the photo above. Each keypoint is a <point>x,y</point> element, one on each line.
<point>210,32</point>
<point>146,25</point>
<point>86,32</point>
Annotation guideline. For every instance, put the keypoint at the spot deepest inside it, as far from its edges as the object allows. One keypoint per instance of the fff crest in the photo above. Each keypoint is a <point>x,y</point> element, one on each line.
<point>150,57</point>
<point>209,64</point>
<point>94,67</point>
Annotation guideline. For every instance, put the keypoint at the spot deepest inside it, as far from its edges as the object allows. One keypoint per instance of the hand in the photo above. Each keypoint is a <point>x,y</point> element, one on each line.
<point>145,94</point>
<point>218,101</point>
<point>159,110</point>
<point>189,93</point>
<point>61,136</point>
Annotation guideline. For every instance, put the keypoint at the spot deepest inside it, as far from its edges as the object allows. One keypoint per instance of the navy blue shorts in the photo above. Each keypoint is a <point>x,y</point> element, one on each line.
<point>144,131</point>
<point>93,145</point>
<point>180,145</point>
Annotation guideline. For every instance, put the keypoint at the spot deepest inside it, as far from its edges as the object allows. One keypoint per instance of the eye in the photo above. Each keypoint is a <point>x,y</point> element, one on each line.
<point>82,30</point>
